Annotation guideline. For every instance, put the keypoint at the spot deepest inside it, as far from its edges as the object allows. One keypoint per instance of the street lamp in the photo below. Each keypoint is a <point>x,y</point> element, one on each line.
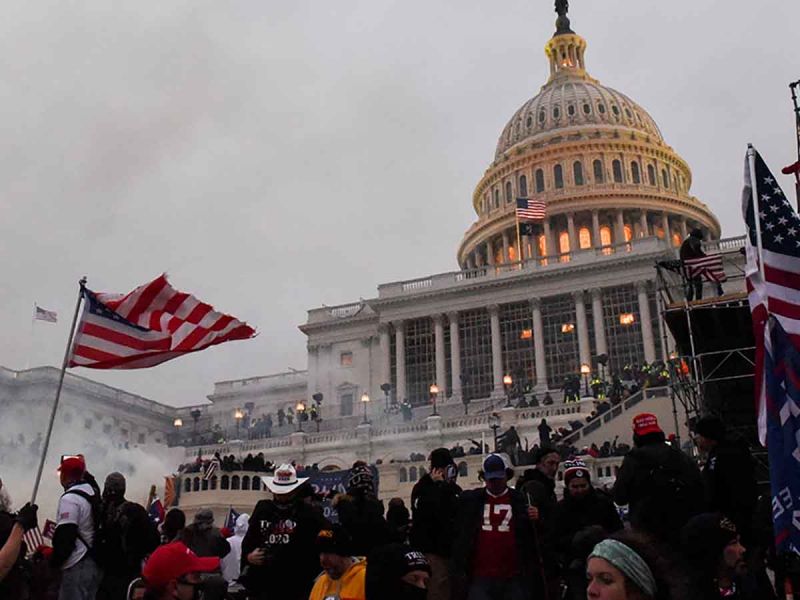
<point>300,411</point>
<point>365,401</point>
<point>494,424</point>
<point>434,390</point>
<point>238,415</point>
<point>585,370</point>
<point>178,423</point>
<point>507,382</point>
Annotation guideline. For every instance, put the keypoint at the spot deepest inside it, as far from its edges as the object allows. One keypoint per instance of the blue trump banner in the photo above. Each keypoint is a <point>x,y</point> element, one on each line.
<point>782,379</point>
<point>327,484</point>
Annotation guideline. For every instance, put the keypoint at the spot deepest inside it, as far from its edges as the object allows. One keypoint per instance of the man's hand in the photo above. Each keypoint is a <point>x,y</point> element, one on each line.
<point>437,474</point>
<point>256,557</point>
<point>533,513</point>
<point>26,516</point>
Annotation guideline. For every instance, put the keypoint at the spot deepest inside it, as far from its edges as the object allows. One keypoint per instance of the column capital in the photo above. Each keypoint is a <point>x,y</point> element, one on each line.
<point>493,309</point>
<point>453,316</point>
<point>642,286</point>
<point>578,296</point>
<point>399,324</point>
<point>383,327</point>
<point>536,303</point>
<point>437,318</point>
<point>312,348</point>
<point>596,292</point>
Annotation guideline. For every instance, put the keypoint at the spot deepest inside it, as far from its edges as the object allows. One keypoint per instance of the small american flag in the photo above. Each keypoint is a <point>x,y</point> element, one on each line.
<point>39,537</point>
<point>41,314</point>
<point>152,324</point>
<point>708,267</point>
<point>530,210</point>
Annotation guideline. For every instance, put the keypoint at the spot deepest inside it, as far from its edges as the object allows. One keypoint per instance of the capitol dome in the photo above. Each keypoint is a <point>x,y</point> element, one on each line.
<point>597,160</point>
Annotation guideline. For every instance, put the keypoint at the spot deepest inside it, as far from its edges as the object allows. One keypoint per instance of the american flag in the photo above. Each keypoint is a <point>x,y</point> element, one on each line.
<point>41,314</point>
<point>152,324</point>
<point>230,519</point>
<point>36,537</point>
<point>709,267</point>
<point>782,376</point>
<point>211,469</point>
<point>779,295</point>
<point>530,210</point>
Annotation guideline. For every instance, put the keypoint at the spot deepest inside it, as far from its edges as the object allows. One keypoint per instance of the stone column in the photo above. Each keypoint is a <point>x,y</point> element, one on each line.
<point>548,239</point>
<point>596,242</point>
<point>647,325</point>
<point>643,223</point>
<point>505,247</point>
<point>490,252</point>
<point>684,228</point>
<point>470,261</point>
<point>313,368</point>
<point>582,325</point>
<point>665,225</point>
<point>441,369</point>
<point>620,227</point>
<point>455,354</point>
<point>497,349</point>
<point>538,345</point>
<point>386,353</point>
<point>599,322</point>
<point>400,364</point>
<point>573,240</point>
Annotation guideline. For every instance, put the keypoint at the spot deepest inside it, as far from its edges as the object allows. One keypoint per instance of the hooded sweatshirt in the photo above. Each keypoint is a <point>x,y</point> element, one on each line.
<point>350,586</point>
<point>232,562</point>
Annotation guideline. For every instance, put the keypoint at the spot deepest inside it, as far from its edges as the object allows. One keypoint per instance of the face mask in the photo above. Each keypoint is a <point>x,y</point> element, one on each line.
<point>411,592</point>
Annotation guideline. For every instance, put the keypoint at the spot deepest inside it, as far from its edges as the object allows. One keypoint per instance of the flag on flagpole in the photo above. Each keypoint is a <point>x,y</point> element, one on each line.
<point>530,209</point>
<point>777,293</point>
<point>782,383</point>
<point>40,314</point>
<point>152,324</point>
<point>156,511</point>
<point>230,520</point>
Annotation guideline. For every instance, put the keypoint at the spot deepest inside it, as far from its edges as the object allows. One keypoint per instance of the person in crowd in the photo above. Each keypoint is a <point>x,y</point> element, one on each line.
<point>128,537</point>
<point>662,486</point>
<point>173,572</point>
<point>78,515</point>
<point>544,433</point>
<point>630,566</point>
<point>174,522</point>
<point>434,501</point>
<point>360,511</point>
<point>494,553</point>
<point>13,580</point>
<point>231,564</point>
<point>538,490</point>
<point>715,557</point>
<point>729,474</point>
<point>203,538</point>
<point>397,572</point>
<point>399,521</point>
<point>281,540</point>
<point>343,575</point>
<point>582,508</point>
<point>691,248</point>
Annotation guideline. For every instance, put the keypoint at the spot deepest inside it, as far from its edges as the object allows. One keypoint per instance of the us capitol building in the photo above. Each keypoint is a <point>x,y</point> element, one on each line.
<point>583,285</point>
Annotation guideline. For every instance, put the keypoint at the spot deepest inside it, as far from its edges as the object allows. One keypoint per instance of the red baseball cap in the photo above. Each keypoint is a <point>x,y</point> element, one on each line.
<point>645,423</point>
<point>73,465</point>
<point>173,561</point>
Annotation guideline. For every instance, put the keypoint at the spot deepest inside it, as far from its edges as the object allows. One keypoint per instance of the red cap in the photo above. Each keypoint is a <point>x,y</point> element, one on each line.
<point>73,465</point>
<point>645,423</point>
<point>173,561</point>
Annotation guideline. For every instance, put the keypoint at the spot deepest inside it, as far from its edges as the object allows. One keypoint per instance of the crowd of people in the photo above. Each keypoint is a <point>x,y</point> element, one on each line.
<point>688,534</point>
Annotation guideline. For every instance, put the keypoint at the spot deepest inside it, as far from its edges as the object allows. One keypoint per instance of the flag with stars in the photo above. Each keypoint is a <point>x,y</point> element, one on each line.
<point>779,293</point>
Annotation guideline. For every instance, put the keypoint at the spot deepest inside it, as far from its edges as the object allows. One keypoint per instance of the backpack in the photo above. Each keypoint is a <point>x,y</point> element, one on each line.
<point>96,549</point>
<point>669,499</point>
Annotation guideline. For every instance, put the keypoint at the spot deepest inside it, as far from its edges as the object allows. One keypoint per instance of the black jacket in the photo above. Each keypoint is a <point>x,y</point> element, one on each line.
<point>288,535</point>
<point>205,541</point>
<point>730,479</point>
<point>433,506</point>
<point>128,537</point>
<point>575,514</point>
<point>363,519</point>
<point>692,247</point>
<point>663,488</point>
<point>468,523</point>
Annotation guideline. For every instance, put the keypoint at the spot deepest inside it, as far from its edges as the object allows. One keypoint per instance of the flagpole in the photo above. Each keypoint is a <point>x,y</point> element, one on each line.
<point>793,87</point>
<point>519,245</point>
<point>751,157</point>
<point>30,345</point>
<point>82,284</point>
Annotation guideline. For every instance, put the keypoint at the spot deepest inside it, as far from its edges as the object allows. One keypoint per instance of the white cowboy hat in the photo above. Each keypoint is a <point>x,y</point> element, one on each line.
<point>285,480</point>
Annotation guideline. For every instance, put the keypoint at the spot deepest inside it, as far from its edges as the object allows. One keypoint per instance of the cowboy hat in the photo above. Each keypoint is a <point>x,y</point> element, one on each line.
<point>285,480</point>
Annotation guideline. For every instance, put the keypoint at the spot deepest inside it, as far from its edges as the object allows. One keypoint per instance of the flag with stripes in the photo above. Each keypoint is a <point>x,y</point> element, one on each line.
<point>211,470</point>
<point>36,537</point>
<point>530,209</point>
<point>40,314</point>
<point>779,293</point>
<point>709,267</point>
<point>152,324</point>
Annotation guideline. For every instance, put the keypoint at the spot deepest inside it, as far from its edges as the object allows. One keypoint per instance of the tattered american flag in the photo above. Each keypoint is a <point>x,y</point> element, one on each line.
<point>708,267</point>
<point>779,294</point>
<point>152,324</point>
<point>530,210</point>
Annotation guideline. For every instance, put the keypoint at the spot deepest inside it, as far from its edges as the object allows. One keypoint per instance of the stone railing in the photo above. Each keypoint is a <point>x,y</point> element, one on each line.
<point>234,481</point>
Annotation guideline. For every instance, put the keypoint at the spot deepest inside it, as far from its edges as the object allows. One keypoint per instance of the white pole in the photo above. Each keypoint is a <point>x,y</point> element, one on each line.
<point>30,345</point>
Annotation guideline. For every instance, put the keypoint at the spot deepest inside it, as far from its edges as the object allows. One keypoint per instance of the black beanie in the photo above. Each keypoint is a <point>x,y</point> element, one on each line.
<point>710,427</point>
<point>440,458</point>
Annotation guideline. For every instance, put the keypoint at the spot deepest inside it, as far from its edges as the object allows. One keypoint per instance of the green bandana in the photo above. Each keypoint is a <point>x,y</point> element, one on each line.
<point>627,561</point>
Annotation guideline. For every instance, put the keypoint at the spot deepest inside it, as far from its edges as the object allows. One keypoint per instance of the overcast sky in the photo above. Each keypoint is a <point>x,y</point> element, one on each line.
<point>273,156</point>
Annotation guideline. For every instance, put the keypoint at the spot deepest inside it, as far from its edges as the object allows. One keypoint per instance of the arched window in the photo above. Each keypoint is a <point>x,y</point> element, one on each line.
<point>616,168</point>
<point>563,242</point>
<point>584,238</point>
<point>676,239</point>
<point>577,172</point>
<point>665,177</point>
<point>225,483</point>
<point>539,181</point>
<point>196,484</point>
<point>204,484</point>
<point>213,482</point>
<point>235,482</point>
<point>523,186</point>
<point>403,475</point>
<point>496,198</point>
<point>635,175</point>
<point>245,482</point>
<point>587,109</point>
<point>571,110</point>
<point>412,473</point>
<point>651,174</point>
<point>255,483</point>
<point>605,235</point>
<point>627,232</point>
<point>187,484</point>
<point>508,191</point>
<point>463,469</point>
<point>597,167</point>
<point>558,177</point>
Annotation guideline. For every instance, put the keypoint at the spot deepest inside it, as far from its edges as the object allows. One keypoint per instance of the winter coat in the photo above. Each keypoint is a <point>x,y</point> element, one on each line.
<point>362,517</point>
<point>231,564</point>
<point>350,586</point>
<point>692,247</point>
<point>575,514</point>
<point>433,506</point>
<point>287,533</point>
<point>729,474</point>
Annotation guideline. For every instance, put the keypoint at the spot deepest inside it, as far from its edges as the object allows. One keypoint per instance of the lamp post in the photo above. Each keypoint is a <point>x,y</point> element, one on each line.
<point>177,424</point>
<point>238,415</point>
<point>507,382</point>
<point>494,424</point>
<point>585,370</point>
<point>365,401</point>
<point>300,411</point>
<point>434,391</point>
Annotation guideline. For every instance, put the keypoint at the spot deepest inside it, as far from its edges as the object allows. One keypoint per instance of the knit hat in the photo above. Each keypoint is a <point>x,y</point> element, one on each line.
<point>361,480</point>
<point>645,423</point>
<point>335,540</point>
<point>710,427</point>
<point>575,468</point>
<point>440,458</point>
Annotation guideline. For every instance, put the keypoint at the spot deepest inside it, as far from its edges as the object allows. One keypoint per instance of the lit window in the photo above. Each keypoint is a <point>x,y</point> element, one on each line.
<point>346,359</point>
<point>627,232</point>
<point>584,238</point>
<point>567,327</point>
<point>558,176</point>
<point>676,239</point>
<point>526,334</point>
<point>627,319</point>
<point>659,232</point>
<point>512,254</point>
<point>605,235</point>
<point>563,242</point>
<point>577,172</point>
<point>542,241</point>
